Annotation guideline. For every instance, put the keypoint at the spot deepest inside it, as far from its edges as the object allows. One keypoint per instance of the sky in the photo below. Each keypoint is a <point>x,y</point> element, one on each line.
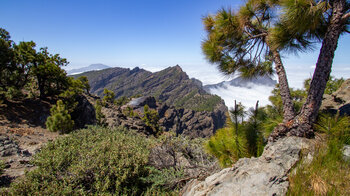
<point>151,34</point>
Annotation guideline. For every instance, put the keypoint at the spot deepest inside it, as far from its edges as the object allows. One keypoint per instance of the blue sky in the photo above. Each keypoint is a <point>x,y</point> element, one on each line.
<point>152,34</point>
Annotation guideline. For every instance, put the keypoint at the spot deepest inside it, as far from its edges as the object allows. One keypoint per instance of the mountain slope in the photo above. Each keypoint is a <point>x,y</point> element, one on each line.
<point>171,86</point>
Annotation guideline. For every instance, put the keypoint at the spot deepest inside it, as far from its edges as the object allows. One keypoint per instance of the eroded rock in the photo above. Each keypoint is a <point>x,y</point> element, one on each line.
<point>266,175</point>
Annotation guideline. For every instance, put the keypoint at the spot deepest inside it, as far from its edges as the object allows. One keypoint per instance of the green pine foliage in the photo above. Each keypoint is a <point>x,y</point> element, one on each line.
<point>85,83</point>
<point>60,119</point>
<point>150,118</point>
<point>226,146</point>
<point>109,97</point>
<point>100,117</point>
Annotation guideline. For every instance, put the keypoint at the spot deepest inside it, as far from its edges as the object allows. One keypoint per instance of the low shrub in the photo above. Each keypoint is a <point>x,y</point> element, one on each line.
<point>94,161</point>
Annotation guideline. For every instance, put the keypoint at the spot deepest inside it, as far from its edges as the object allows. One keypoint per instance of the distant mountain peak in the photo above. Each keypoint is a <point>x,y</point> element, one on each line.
<point>92,67</point>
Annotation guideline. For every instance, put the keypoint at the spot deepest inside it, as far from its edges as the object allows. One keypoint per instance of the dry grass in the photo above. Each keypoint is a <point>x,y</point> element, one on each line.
<point>327,174</point>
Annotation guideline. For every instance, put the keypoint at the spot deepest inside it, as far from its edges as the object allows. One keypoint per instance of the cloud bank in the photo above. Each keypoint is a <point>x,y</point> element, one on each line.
<point>247,96</point>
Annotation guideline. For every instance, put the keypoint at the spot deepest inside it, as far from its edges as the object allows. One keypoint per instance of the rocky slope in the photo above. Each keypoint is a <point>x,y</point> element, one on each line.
<point>171,86</point>
<point>266,175</point>
<point>180,121</point>
<point>339,100</point>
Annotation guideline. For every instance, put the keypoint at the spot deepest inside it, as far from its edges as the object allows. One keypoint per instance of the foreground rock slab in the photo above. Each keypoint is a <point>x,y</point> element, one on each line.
<point>266,175</point>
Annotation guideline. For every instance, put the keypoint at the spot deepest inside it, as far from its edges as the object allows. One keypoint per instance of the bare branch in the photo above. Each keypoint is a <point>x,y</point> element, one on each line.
<point>345,17</point>
<point>257,36</point>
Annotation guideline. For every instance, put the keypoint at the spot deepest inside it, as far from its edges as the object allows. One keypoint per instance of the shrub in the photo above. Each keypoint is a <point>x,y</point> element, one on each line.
<point>151,118</point>
<point>100,117</point>
<point>94,161</point>
<point>60,120</point>
<point>108,97</point>
<point>13,93</point>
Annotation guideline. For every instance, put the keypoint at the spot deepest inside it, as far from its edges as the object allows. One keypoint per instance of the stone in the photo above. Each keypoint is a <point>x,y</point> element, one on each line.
<point>84,114</point>
<point>346,153</point>
<point>266,175</point>
<point>339,101</point>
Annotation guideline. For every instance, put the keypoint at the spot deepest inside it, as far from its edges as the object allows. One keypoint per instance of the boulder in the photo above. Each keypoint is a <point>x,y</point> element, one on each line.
<point>84,114</point>
<point>338,101</point>
<point>346,153</point>
<point>266,175</point>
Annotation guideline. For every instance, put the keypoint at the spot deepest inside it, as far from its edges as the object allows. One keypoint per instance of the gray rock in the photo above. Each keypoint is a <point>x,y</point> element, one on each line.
<point>84,114</point>
<point>346,152</point>
<point>339,101</point>
<point>266,175</point>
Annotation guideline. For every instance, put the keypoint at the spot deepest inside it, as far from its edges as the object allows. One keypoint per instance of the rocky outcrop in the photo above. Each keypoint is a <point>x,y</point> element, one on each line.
<point>8,147</point>
<point>84,113</point>
<point>338,101</point>
<point>180,121</point>
<point>181,153</point>
<point>266,175</point>
<point>188,122</point>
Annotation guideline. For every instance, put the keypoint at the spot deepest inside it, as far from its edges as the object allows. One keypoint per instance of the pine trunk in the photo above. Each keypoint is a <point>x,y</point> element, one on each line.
<point>302,124</point>
<point>288,108</point>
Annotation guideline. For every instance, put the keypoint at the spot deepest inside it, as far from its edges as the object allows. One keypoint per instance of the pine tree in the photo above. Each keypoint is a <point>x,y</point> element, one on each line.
<point>60,119</point>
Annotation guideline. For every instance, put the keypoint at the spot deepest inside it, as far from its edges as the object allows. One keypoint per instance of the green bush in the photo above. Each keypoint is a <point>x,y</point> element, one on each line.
<point>94,161</point>
<point>100,117</point>
<point>108,97</point>
<point>151,118</point>
<point>60,120</point>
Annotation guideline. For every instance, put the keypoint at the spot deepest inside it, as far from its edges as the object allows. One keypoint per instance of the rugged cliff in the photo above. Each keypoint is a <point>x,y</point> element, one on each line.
<point>180,121</point>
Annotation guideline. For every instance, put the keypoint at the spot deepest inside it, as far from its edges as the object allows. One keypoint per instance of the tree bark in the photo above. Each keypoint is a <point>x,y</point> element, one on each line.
<point>288,108</point>
<point>302,124</point>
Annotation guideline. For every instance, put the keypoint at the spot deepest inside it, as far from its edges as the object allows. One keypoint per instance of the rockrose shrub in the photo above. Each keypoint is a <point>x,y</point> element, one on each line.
<point>94,161</point>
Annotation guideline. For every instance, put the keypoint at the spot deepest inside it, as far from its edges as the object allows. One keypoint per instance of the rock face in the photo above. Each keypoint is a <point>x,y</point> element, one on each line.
<point>84,114</point>
<point>190,123</point>
<point>8,147</point>
<point>186,154</point>
<point>339,100</point>
<point>266,175</point>
<point>180,121</point>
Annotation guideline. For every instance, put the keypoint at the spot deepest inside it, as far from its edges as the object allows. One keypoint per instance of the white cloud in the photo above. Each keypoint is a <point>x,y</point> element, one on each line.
<point>247,96</point>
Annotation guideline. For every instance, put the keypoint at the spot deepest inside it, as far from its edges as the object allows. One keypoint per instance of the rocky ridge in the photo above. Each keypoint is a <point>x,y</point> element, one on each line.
<point>265,175</point>
<point>171,86</point>
<point>180,121</point>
